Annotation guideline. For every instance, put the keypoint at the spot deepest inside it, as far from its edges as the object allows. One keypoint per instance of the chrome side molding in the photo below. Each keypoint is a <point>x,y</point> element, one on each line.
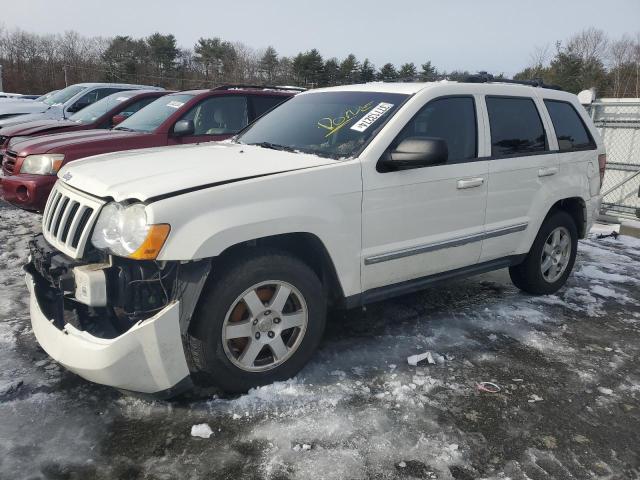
<point>454,242</point>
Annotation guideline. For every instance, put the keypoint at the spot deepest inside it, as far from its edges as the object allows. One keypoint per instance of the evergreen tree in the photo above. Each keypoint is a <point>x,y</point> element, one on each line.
<point>269,64</point>
<point>124,57</point>
<point>367,71</point>
<point>407,72</point>
<point>163,51</point>
<point>428,72</point>
<point>331,72</point>
<point>350,69</point>
<point>308,68</point>
<point>388,73</point>
<point>216,56</point>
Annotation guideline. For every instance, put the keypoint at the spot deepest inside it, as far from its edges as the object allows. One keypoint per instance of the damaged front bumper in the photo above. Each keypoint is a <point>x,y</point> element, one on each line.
<point>148,358</point>
<point>136,351</point>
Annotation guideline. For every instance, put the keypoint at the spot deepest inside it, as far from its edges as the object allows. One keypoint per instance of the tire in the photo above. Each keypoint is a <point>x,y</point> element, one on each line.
<point>219,361</point>
<point>528,276</point>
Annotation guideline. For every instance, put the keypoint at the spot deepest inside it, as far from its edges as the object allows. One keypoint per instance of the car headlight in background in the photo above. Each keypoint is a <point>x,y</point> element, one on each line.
<point>48,164</point>
<point>123,230</point>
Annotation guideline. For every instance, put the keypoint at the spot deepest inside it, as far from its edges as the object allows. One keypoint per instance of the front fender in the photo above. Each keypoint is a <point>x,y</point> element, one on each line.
<point>324,201</point>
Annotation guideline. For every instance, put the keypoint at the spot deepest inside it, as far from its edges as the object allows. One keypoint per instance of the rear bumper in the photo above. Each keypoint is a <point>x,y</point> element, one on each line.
<point>27,191</point>
<point>148,358</point>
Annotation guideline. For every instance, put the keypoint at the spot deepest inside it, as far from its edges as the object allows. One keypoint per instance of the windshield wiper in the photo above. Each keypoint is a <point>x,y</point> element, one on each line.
<point>274,146</point>
<point>125,129</point>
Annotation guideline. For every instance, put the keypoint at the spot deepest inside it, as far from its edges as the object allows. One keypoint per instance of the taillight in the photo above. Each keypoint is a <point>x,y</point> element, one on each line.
<point>602,163</point>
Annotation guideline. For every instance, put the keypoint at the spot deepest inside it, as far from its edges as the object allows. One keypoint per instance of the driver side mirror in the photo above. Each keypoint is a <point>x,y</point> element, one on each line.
<point>183,128</point>
<point>118,119</point>
<point>416,152</point>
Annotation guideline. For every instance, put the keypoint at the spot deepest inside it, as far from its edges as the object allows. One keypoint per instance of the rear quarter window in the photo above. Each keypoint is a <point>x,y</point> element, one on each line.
<point>571,132</point>
<point>516,127</point>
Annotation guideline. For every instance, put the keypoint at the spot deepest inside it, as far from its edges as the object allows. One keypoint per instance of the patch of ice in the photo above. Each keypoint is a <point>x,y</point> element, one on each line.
<point>593,272</point>
<point>201,430</point>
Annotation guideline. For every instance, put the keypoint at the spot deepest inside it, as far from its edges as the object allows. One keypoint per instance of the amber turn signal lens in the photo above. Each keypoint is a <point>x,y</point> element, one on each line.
<point>152,245</point>
<point>57,164</point>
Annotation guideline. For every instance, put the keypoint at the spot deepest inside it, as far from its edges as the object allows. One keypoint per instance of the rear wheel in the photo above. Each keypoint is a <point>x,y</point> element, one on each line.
<point>551,258</point>
<point>258,323</point>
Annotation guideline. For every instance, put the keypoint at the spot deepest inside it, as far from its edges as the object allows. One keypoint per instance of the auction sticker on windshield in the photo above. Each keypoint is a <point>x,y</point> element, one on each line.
<point>372,116</point>
<point>174,104</point>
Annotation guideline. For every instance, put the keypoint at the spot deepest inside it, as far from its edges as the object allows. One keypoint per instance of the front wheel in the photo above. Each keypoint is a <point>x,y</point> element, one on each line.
<point>551,258</point>
<point>259,321</point>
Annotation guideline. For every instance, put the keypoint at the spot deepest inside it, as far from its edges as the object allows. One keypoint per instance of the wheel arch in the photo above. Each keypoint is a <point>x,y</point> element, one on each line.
<point>576,207</point>
<point>306,247</point>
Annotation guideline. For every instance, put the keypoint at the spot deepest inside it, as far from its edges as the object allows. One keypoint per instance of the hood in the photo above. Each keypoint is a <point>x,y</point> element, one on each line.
<point>155,172</point>
<point>14,107</point>
<point>36,127</point>
<point>63,142</point>
<point>53,113</point>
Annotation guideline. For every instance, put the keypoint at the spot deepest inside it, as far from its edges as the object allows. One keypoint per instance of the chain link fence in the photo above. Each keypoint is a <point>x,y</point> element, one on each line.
<point>618,121</point>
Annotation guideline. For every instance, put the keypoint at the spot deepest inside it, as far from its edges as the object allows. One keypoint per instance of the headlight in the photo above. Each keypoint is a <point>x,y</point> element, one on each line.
<point>123,231</point>
<point>42,164</point>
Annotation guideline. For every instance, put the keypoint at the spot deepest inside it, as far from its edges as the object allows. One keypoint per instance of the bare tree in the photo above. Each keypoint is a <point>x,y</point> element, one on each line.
<point>540,56</point>
<point>589,45</point>
<point>621,65</point>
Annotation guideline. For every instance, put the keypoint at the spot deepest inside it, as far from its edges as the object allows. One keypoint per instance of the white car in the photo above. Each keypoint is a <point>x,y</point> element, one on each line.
<point>217,263</point>
<point>61,104</point>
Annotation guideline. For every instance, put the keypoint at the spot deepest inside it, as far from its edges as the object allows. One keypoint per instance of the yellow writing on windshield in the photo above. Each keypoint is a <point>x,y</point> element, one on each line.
<point>332,125</point>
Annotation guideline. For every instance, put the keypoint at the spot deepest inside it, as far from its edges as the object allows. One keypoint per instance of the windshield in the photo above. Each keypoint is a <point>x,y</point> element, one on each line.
<point>64,95</point>
<point>331,124</point>
<point>42,98</point>
<point>96,110</point>
<point>154,114</point>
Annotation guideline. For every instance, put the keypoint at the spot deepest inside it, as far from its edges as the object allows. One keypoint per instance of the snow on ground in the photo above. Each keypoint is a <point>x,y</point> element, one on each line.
<point>567,365</point>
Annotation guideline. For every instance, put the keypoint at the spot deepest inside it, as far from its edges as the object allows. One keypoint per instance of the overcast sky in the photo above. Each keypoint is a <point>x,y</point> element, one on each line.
<point>493,35</point>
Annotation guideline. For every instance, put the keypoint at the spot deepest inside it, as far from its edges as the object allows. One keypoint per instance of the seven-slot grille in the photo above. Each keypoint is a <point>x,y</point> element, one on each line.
<point>8,161</point>
<point>68,219</point>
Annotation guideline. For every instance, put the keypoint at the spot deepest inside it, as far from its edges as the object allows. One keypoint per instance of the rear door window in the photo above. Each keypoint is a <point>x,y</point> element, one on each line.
<point>571,131</point>
<point>262,104</point>
<point>516,127</point>
<point>453,119</point>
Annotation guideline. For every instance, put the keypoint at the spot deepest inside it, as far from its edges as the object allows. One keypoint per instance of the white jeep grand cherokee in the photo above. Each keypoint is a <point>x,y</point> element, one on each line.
<point>216,263</point>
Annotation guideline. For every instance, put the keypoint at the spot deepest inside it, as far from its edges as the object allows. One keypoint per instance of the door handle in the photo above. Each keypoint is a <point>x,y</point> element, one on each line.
<point>547,172</point>
<point>470,183</point>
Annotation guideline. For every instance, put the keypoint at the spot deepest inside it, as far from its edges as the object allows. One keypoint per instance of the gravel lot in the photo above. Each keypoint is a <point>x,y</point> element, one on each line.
<point>569,407</point>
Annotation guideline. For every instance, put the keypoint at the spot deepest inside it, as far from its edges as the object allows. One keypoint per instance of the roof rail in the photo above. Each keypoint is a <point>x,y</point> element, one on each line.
<point>484,77</point>
<point>232,86</point>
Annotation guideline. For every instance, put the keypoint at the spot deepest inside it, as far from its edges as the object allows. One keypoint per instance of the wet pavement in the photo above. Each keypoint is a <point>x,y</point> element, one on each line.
<point>567,366</point>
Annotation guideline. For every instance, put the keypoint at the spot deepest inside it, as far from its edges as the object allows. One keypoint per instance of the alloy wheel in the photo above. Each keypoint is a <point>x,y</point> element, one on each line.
<point>264,326</point>
<point>556,254</point>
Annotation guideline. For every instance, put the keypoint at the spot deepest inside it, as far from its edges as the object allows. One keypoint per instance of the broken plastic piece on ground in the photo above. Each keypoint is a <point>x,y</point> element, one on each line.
<point>201,430</point>
<point>613,234</point>
<point>413,360</point>
<point>301,447</point>
<point>488,387</point>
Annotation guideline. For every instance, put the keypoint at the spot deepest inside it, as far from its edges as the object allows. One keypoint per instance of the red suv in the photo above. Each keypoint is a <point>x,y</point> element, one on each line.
<point>105,113</point>
<point>30,165</point>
